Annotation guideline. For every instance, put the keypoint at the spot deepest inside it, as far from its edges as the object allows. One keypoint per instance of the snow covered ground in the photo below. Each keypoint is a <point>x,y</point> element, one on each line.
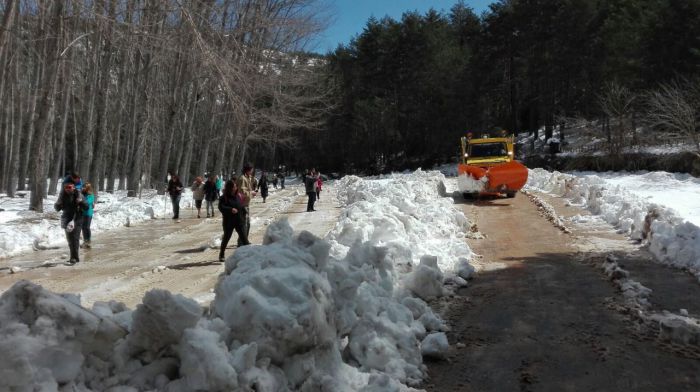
<point>344,313</point>
<point>658,208</point>
<point>22,230</point>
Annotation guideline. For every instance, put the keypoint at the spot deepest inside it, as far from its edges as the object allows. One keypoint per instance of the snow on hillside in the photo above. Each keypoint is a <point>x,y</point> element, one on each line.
<point>346,313</point>
<point>658,208</point>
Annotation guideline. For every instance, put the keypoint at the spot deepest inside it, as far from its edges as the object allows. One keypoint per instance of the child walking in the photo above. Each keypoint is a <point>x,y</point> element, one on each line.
<point>87,215</point>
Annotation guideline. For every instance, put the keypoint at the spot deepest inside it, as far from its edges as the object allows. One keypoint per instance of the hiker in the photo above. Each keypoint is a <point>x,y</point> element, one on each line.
<point>244,183</point>
<point>280,175</point>
<point>72,204</point>
<point>175,191</point>
<point>75,177</point>
<point>198,194</point>
<point>219,183</point>
<point>319,185</point>
<point>263,186</point>
<point>211,194</point>
<point>87,215</point>
<point>310,186</point>
<point>231,205</point>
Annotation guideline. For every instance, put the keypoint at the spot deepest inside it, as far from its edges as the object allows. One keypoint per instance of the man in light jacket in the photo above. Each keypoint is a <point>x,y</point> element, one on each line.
<point>246,187</point>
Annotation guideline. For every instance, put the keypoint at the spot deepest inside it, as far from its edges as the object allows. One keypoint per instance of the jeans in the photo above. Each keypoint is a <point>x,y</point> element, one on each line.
<point>73,238</point>
<point>229,224</point>
<point>87,233</point>
<point>244,216</point>
<point>312,200</point>
<point>176,206</point>
<point>210,204</point>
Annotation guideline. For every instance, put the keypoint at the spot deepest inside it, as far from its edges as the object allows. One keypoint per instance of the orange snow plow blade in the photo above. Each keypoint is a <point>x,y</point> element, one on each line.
<point>507,177</point>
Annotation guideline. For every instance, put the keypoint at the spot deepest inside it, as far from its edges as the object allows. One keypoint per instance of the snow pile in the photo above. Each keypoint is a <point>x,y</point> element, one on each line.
<point>296,313</point>
<point>22,230</point>
<point>547,211</point>
<point>671,238</point>
<point>636,294</point>
<point>409,215</point>
<point>468,184</point>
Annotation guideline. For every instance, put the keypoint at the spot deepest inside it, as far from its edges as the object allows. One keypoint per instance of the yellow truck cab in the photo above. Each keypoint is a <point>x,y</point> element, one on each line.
<point>489,168</point>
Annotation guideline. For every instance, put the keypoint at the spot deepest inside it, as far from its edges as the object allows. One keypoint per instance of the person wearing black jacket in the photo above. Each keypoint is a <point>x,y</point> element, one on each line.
<point>211,193</point>
<point>310,185</point>
<point>263,186</point>
<point>72,204</point>
<point>175,191</point>
<point>230,204</point>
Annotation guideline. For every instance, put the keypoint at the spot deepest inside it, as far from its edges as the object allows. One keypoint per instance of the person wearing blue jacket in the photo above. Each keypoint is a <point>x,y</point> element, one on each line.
<point>87,214</point>
<point>75,178</point>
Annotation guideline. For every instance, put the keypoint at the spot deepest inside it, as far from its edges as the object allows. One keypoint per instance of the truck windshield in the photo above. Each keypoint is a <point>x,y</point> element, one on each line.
<point>483,150</point>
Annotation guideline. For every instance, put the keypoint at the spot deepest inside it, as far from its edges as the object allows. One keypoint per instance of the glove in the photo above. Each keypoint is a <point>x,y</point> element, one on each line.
<point>70,226</point>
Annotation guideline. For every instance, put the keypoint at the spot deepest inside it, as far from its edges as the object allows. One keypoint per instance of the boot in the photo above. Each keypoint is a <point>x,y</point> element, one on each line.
<point>87,245</point>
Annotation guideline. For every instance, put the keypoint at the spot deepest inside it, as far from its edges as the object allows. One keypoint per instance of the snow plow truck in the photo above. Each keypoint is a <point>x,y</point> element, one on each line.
<point>489,168</point>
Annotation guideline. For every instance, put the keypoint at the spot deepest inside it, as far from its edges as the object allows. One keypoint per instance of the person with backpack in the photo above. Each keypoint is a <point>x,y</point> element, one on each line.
<point>71,203</point>
<point>231,207</point>
<point>87,215</point>
<point>211,194</point>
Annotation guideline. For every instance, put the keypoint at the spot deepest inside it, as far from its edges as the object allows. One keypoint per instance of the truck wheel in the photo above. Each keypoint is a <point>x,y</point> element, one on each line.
<point>511,195</point>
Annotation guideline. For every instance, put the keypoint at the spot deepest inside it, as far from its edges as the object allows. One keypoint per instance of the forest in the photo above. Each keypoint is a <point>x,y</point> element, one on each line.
<point>125,92</point>
<point>408,89</point>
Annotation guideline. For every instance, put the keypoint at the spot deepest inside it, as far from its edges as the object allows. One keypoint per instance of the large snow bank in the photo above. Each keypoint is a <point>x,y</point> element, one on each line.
<point>296,313</point>
<point>22,230</point>
<point>671,238</point>
<point>409,215</point>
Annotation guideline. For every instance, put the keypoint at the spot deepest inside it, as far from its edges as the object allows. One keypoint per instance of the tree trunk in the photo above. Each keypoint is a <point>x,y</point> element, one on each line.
<point>7,21</point>
<point>43,123</point>
<point>61,148</point>
<point>99,147</point>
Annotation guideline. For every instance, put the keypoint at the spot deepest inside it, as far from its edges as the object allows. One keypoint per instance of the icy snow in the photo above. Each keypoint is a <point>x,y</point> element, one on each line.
<point>297,313</point>
<point>660,209</point>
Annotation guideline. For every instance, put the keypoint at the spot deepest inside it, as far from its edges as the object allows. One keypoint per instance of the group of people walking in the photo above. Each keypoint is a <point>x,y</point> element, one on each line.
<point>233,202</point>
<point>313,185</point>
<point>76,203</point>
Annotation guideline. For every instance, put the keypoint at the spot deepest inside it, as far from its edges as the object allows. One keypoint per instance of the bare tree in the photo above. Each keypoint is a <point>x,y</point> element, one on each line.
<point>675,107</point>
<point>617,102</point>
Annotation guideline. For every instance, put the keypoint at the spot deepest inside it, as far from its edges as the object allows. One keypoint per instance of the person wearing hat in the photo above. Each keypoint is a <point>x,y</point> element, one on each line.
<point>245,186</point>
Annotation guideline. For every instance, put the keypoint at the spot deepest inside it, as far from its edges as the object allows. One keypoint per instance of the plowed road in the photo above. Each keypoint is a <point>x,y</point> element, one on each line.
<point>542,316</point>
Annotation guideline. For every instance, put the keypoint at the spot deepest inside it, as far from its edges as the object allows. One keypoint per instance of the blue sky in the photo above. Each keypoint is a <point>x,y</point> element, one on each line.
<point>350,16</point>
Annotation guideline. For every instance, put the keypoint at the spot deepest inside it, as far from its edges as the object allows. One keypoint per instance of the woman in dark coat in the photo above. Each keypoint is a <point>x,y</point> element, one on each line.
<point>263,185</point>
<point>71,203</point>
<point>175,191</point>
<point>229,205</point>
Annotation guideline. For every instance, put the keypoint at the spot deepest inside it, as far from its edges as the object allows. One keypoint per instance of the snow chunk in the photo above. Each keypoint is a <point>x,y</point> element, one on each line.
<point>435,345</point>
<point>427,280</point>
